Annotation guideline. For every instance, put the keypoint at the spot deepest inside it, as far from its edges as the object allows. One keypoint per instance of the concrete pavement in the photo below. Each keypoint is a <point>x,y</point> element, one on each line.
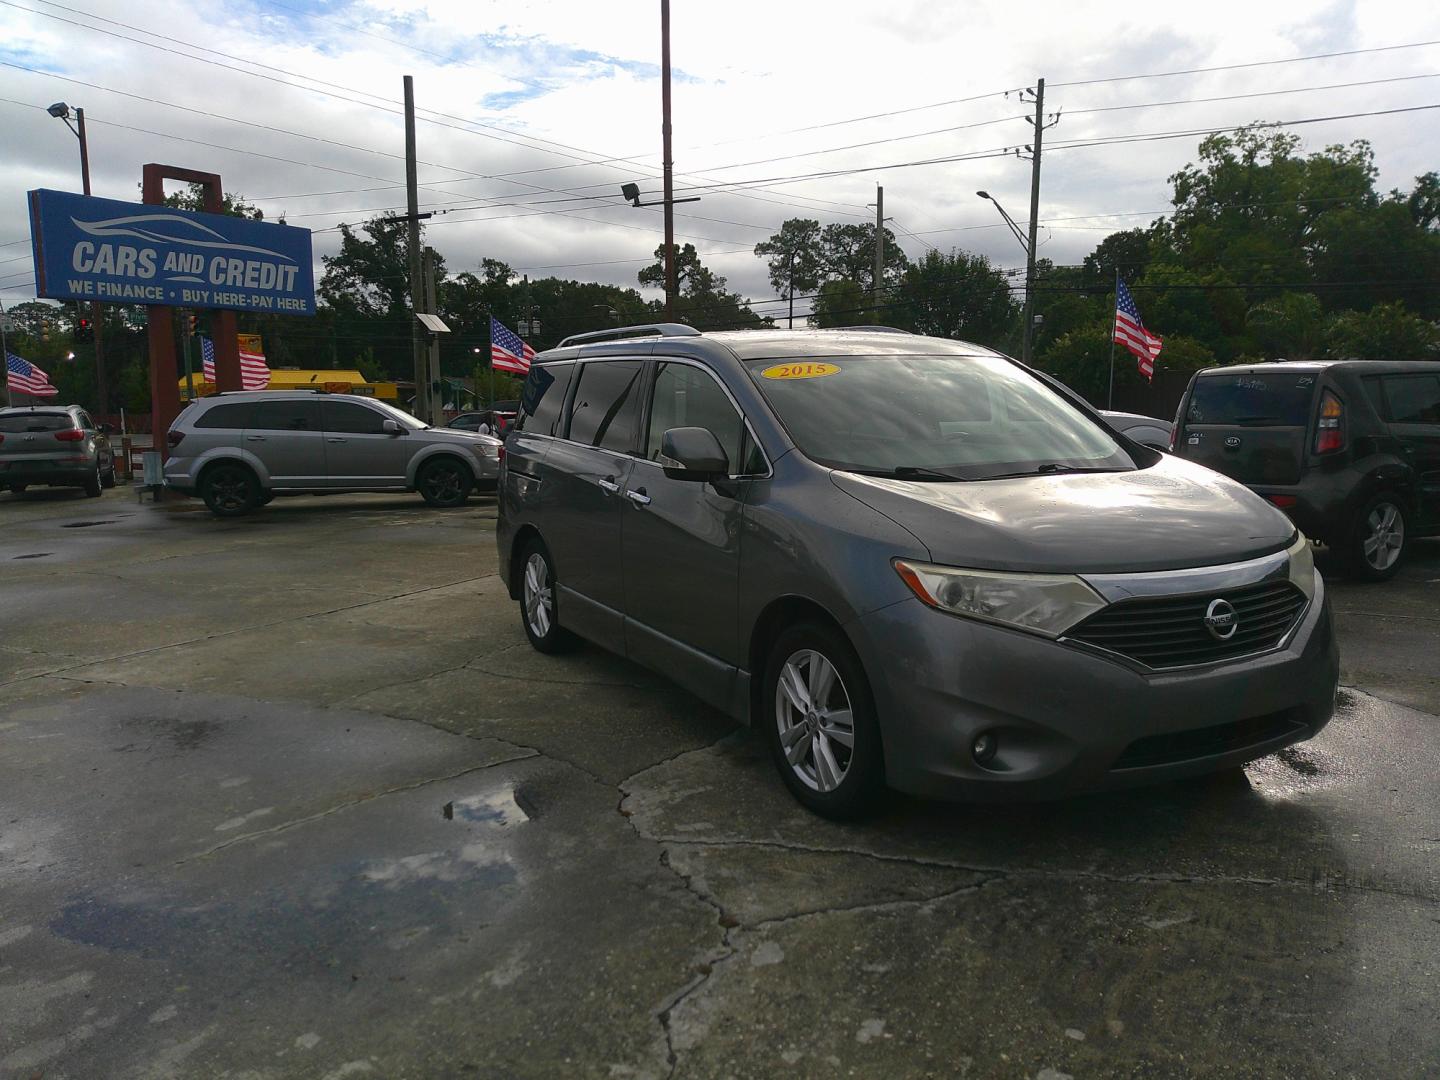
<point>291,797</point>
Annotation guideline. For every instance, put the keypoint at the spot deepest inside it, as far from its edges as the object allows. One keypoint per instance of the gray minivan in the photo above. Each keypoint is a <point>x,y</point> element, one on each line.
<point>914,562</point>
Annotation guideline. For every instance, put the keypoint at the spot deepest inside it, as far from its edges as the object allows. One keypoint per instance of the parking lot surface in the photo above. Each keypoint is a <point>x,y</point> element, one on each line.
<point>290,796</point>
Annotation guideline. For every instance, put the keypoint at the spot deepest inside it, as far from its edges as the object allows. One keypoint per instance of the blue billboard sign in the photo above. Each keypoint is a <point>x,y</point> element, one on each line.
<point>88,248</point>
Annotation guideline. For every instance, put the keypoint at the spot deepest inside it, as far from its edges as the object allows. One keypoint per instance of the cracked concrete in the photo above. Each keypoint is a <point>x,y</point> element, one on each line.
<point>305,804</point>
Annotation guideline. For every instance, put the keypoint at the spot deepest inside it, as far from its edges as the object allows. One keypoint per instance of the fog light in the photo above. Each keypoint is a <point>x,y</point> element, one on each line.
<point>984,747</point>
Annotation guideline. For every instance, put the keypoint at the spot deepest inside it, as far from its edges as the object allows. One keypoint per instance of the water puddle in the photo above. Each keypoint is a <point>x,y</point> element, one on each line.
<point>504,808</point>
<point>37,555</point>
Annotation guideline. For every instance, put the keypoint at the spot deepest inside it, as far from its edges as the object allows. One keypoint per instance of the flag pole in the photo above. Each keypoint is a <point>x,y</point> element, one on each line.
<point>1114,308</point>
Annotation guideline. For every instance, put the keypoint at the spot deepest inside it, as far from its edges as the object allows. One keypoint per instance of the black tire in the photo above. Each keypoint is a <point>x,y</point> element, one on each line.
<point>266,498</point>
<point>92,483</point>
<point>1378,537</point>
<point>861,783</point>
<point>230,490</point>
<point>107,478</point>
<point>445,482</point>
<point>18,489</point>
<point>541,619</point>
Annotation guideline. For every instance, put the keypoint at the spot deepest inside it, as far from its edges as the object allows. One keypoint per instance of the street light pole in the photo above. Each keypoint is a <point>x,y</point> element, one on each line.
<point>669,181</point>
<point>102,386</point>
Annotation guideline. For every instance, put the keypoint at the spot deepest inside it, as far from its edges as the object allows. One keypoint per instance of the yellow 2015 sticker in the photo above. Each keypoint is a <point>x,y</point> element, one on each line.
<point>805,370</point>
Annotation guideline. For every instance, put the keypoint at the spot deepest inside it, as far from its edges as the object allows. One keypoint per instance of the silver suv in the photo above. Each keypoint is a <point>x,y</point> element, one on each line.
<point>56,445</point>
<point>913,562</point>
<point>238,450</point>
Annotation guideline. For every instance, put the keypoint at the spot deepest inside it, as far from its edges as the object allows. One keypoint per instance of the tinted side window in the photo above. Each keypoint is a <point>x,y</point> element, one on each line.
<point>543,398</point>
<point>85,421</point>
<point>607,402</point>
<point>285,416</point>
<point>234,415</point>
<point>1371,383</point>
<point>1414,399</point>
<point>1268,400</point>
<point>685,396</point>
<point>346,416</point>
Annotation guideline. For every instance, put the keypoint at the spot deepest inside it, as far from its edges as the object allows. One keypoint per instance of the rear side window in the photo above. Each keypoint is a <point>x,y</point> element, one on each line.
<point>17,423</point>
<point>543,398</point>
<point>1262,400</point>
<point>1414,399</point>
<point>349,418</point>
<point>607,402</point>
<point>234,415</point>
<point>285,416</point>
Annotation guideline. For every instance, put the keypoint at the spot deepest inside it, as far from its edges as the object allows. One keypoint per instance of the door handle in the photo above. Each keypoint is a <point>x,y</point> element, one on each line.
<point>337,440</point>
<point>254,438</point>
<point>608,485</point>
<point>638,497</point>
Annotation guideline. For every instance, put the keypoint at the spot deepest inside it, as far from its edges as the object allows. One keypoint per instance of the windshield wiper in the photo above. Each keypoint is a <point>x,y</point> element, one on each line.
<point>1050,468</point>
<point>909,472</point>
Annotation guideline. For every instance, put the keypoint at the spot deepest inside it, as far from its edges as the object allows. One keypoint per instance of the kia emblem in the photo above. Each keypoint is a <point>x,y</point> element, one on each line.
<point>1232,442</point>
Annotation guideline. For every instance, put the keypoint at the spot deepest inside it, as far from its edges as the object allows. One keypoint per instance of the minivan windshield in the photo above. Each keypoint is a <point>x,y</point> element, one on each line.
<point>928,417</point>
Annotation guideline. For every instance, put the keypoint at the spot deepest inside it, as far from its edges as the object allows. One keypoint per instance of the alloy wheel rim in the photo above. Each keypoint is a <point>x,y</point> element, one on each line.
<point>1385,536</point>
<point>229,490</point>
<point>444,482</point>
<point>815,720</point>
<point>539,595</point>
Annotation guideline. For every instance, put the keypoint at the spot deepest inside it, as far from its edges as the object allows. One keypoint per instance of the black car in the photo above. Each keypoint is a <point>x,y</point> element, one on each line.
<point>1350,449</point>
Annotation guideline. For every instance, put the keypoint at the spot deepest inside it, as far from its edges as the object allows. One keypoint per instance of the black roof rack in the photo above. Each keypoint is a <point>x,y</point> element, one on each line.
<point>663,329</point>
<point>872,329</point>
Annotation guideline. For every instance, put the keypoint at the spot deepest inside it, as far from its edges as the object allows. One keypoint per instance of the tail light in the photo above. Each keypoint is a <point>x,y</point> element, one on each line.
<point>500,454</point>
<point>73,435</point>
<point>1330,431</point>
<point>173,437</point>
<point>1284,502</point>
<point>2,438</point>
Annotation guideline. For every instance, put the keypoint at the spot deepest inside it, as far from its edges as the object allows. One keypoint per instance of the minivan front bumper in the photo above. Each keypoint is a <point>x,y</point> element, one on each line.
<point>1067,720</point>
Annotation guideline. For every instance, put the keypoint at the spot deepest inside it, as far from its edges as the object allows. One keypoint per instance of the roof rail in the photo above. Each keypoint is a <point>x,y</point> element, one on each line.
<point>872,329</point>
<point>664,329</point>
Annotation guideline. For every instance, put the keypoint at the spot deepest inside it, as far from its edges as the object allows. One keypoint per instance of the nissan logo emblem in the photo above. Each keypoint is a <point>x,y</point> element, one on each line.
<point>1220,620</point>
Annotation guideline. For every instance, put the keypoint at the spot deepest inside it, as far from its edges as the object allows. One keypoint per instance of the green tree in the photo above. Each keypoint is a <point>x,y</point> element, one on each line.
<point>842,302</point>
<point>1081,360</point>
<point>959,295</point>
<point>1385,332</point>
<point>848,251</point>
<point>1290,326</point>
<point>794,257</point>
<point>1373,254</point>
<point>703,300</point>
<point>192,197</point>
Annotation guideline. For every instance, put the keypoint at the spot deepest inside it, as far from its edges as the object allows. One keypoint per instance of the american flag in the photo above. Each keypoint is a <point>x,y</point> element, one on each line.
<point>507,351</point>
<point>254,372</point>
<point>1130,331</point>
<point>26,378</point>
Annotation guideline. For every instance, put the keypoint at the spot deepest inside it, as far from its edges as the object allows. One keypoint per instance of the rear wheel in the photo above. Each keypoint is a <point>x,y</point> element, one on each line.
<point>229,490</point>
<point>444,482</point>
<point>107,478</point>
<point>18,489</point>
<point>92,483</point>
<point>820,722</point>
<point>1377,542</point>
<point>539,612</point>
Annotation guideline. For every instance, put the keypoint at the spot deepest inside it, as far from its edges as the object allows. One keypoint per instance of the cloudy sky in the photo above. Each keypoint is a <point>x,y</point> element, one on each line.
<point>532,113</point>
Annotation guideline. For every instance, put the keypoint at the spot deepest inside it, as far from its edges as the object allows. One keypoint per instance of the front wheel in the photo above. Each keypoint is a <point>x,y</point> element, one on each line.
<point>820,722</point>
<point>230,490</point>
<point>1377,542</point>
<point>539,612</point>
<point>445,483</point>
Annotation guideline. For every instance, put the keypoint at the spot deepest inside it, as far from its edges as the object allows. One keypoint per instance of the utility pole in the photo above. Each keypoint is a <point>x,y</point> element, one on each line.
<point>669,165</point>
<point>879,253</point>
<point>791,289</point>
<point>1039,124</point>
<point>5,355</point>
<point>434,390</point>
<point>412,232</point>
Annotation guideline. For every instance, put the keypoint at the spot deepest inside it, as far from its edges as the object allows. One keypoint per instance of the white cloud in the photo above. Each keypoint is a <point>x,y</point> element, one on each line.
<point>748,73</point>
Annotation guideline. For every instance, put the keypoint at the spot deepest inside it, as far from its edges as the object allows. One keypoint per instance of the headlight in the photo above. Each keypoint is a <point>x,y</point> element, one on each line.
<point>1046,604</point>
<point>1302,566</point>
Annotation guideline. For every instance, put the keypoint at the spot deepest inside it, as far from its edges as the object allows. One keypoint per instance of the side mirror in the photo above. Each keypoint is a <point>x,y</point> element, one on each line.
<point>391,427</point>
<point>693,453</point>
<point>106,429</point>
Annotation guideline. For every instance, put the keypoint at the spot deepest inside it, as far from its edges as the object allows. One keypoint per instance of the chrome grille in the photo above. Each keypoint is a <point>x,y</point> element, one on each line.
<point>1170,631</point>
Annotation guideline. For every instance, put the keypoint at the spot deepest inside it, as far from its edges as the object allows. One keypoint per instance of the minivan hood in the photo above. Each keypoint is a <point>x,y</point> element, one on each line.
<point>1170,516</point>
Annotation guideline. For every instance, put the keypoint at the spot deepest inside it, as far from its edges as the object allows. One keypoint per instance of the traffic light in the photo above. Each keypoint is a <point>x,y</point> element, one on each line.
<point>82,329</point>
<point>194,324</point>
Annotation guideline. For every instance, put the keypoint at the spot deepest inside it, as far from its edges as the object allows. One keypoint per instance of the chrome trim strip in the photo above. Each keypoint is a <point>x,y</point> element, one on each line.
<point>1200,579</point>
